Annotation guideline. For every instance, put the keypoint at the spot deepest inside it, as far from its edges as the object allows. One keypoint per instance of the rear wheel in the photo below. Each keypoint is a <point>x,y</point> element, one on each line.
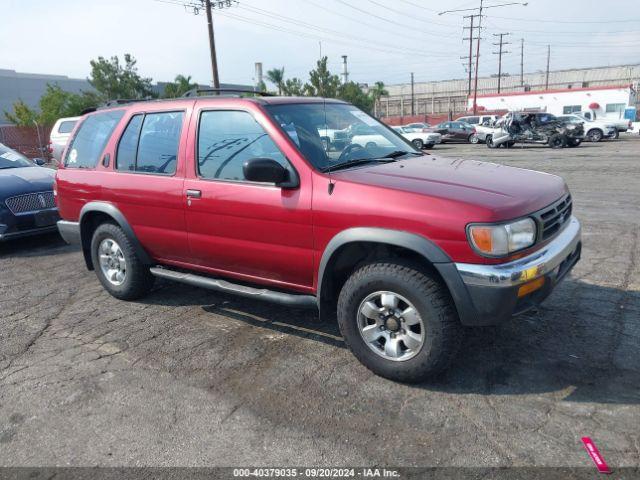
<point>117,265</point>
<point>474,139</point>
<point>419,144</point>
<point>557,141</point>
<point>594,135</point>
<point>399,322</point>
<point>574,142</point>
<point>489,141</point>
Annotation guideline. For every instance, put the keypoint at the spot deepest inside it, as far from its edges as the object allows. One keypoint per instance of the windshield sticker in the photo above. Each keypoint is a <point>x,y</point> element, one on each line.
<point>363,117</point>
<point>11,156</point>
<point>73,156</point>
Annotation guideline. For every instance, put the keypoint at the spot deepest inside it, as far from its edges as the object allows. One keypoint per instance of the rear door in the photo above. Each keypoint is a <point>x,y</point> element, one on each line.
<point>253,231</point>
<point>146,177</point>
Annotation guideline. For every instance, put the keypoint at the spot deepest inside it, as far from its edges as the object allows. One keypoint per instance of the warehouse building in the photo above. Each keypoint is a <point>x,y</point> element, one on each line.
<point>442,97</point>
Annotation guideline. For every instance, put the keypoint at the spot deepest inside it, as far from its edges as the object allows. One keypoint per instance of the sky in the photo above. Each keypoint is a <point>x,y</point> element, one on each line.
<point>385,40</point>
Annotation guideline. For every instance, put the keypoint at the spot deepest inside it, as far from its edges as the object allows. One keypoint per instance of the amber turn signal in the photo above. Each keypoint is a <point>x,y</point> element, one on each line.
<point>532,286</point>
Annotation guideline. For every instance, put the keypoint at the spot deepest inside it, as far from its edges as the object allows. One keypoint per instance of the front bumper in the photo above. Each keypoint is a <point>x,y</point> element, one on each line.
<point>27,224</point>
<point>70,232</point>
<point>488,294</point>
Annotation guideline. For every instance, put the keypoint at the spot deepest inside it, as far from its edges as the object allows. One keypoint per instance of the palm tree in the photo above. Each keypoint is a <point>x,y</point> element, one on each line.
<point>179,87</point>
<point>276,76</point>
<point>377,92</point>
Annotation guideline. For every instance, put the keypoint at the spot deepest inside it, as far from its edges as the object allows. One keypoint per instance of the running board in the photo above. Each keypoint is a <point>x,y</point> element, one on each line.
<point>291,300</point>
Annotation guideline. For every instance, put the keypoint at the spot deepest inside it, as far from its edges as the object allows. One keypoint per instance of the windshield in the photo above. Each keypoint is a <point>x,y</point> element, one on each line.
<point>333,134</point>
<point>12,159</point>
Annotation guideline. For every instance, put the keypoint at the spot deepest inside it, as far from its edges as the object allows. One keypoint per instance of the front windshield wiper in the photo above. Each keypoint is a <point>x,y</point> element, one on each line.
<point>355,163</point>
<point>399,153</point>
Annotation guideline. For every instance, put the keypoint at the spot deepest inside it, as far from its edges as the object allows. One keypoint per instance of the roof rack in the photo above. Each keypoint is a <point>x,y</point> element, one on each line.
<point>195,92</point>
<point>122,101</point>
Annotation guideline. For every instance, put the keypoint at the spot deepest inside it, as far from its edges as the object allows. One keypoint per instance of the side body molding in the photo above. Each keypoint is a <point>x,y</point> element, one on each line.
<point>119,218</point>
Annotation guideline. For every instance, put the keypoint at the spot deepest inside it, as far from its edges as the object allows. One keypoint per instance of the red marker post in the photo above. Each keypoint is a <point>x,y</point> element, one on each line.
<point>595,455</point>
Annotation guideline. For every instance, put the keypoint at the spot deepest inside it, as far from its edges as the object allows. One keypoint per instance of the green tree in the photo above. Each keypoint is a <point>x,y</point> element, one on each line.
<point>322,83</point>
<point>178,87</point>
<point>114,80</point>
<point>293,87</point>
<point>352,93</point>
<point>55,103</point>
<point>378,91</point>
<point>276,76</point>
<point>22,114</point>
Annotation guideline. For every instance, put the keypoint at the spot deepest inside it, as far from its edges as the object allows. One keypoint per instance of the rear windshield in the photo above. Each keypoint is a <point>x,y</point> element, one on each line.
<point>91,138</point>
<point>67,126</point>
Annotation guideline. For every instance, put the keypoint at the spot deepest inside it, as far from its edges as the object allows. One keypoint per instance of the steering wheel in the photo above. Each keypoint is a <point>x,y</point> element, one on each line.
<point>350,149</point>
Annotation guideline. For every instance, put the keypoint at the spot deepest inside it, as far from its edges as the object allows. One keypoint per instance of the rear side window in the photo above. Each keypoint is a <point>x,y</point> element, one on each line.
<point>67,126</point>
<point>150,143</point>
<point>91,138</point>
<point>226,139</point>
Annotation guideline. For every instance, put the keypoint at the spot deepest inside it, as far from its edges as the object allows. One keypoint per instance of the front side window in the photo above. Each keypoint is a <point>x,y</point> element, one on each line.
<point>472,120</point>
<point>351,135</point>
<point>91,138</point>
<point>150,143</point>
<point>227,139</point>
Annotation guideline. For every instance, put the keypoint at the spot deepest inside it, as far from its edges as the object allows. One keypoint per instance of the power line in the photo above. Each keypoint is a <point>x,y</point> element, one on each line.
<point>540,20</point>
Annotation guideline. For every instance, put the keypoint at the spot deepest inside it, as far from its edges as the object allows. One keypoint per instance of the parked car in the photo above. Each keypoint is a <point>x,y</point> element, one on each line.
<point>535,127</point>
<point>60,136</point>
<point>421,126</point>
<point>455,131</point>
<point>476,120</point>
<point>621,124</point>
<point>238,195</point>
<point>482,131</point>
<point>595,130</point>
<point>419,139</point>
<point>27,205</point>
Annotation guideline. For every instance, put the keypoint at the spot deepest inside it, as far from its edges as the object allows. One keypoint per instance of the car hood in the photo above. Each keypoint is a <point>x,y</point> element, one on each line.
<point>18,181</point>
<point>507,192</point>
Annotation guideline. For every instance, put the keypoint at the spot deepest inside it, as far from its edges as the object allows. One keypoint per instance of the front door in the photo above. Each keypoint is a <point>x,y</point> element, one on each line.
<point>253,231</point>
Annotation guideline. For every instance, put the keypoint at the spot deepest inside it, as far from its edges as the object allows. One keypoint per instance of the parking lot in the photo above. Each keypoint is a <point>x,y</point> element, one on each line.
<point>192,377</point>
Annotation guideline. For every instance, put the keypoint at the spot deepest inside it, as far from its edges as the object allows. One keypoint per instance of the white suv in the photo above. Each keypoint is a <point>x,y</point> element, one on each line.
<point>594,130</point>
<point>60,136</point>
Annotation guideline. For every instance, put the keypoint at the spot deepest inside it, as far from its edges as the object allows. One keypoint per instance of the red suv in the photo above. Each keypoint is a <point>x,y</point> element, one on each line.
<point>241,195</point>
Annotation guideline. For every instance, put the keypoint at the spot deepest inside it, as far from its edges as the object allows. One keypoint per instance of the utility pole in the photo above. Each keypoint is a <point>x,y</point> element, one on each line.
<point>499,53</point>
<point>475,82</point>
<point>522,62</point>
<point>195,6</point>
<point>475,87</point>
<point>471,38</point>
<point>345,72</point>
<point>546,82</point>
<point>413,102</point>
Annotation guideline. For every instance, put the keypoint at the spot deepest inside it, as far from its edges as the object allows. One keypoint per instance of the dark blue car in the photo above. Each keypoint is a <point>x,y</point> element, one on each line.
<point>27,205</point>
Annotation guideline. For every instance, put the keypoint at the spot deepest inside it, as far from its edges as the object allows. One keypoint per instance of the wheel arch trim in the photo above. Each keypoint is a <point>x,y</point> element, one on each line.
<point>113,212</point>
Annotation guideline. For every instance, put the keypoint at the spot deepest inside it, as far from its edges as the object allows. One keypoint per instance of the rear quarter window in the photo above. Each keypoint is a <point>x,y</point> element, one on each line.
<point>67,126</point>
<point>91,138</point>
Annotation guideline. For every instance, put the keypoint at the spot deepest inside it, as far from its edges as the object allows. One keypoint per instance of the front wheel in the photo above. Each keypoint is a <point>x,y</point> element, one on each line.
<point>557,141</point>
<point>419,144</point>
<point>489,141</point>
<point>474,139</point>
<point>594,135</point>
<point>117,265</point>
<point>399,322</point>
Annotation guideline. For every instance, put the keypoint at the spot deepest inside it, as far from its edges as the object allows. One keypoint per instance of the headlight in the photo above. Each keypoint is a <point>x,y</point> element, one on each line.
<point>500,240</point>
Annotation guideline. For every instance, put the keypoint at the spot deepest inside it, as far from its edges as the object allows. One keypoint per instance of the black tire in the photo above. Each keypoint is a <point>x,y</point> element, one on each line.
<point>429,145</point>
<point>470,137</point>
<point>595,135</point>
<point>473,138</point>
<point>574,142</point>
<point>557,141</point>
<point>489,141</point>
<point>138,281</point>
<point>418,143</point>
<point>616,134</point>
<point>442,329</point>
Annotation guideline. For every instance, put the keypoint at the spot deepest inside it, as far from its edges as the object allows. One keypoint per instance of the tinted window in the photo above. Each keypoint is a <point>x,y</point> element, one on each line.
<point>66,127</point>
<point>471,120</point>
<point>91,138</point>
<point>226,139</point>
<point>158,144</point>
<point>128,145</point>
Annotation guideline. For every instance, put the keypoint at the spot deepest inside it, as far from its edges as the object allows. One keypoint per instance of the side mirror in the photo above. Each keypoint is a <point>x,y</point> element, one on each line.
<point>267,170</point>
<point>39,161</point>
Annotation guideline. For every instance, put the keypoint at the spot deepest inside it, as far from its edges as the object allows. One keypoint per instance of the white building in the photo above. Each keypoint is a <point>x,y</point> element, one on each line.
<point>604,101</point>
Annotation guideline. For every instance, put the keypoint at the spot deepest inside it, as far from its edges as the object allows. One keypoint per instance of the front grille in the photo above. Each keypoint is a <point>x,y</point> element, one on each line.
<point>552,218</point>
<point>31,202</point>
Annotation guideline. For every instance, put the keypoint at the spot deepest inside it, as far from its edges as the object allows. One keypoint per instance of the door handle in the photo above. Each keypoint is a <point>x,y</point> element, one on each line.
<point>194,194</point>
